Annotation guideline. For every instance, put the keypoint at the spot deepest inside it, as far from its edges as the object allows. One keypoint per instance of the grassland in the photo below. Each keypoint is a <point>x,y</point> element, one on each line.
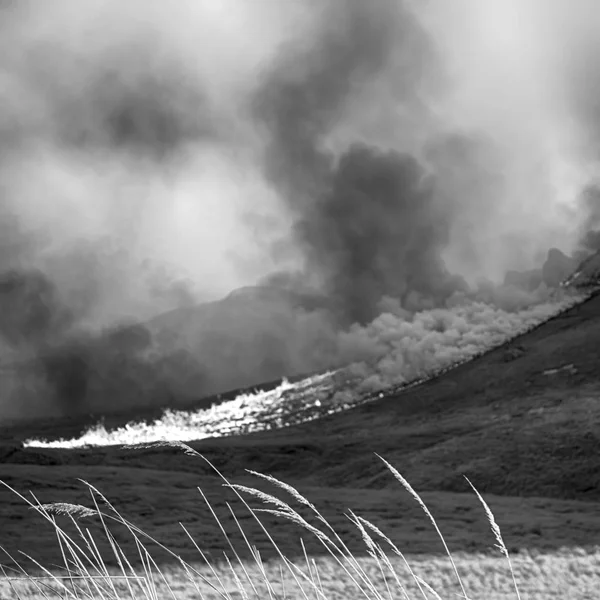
<point>521,426</point>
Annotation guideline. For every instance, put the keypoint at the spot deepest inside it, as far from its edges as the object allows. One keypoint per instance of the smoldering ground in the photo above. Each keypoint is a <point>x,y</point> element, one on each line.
<point>367,162</point>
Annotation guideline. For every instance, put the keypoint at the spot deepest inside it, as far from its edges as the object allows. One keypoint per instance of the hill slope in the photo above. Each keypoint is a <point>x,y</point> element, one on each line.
<point>521,422</point>
<point>526,426</point>
<point>516,423</point>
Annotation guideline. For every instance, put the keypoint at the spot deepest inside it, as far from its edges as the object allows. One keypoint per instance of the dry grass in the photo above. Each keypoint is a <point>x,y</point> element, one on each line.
<point>384,573</point>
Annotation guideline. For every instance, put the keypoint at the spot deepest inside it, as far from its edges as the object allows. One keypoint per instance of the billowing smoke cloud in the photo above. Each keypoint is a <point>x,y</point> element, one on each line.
<point>129,176</point>
<point>481,172</point>
<point>366,219</point>
<point>358,159</point>
<point>462,185</point>
<point>127,154</point>
<point>378,233</point>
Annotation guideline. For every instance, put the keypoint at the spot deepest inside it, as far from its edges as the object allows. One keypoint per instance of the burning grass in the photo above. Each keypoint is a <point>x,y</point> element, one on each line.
<point>390,355</point>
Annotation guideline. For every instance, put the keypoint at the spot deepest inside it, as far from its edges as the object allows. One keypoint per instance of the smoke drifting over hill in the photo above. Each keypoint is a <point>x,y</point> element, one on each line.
<point>374,160</point>
<point>461,184</point>
<point>366,219</point>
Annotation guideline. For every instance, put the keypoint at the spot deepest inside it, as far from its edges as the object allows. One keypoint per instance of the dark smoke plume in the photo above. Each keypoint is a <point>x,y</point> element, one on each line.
<point>304,94</point>
<point>377,233</point>
<point>368,220</point>
<point>126,161</point>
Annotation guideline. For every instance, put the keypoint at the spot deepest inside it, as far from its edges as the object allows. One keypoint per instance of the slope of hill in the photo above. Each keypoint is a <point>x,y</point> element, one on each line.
<point>525,427</point>
<point>520,421</point>
<point>176,357</point>
<point>516,423</point>
<point>587,273</point>
<point>255,335</point>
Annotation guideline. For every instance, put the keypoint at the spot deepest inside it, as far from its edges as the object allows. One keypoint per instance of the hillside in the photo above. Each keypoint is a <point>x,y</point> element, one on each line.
<point>254,335</point>
<point>176,358</point>
<point>524,426</point>
<point>502,414</point>
<point>520,421</point>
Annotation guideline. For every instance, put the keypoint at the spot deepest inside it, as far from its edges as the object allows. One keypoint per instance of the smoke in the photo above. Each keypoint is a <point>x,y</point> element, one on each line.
<point>395,351</point>
<point>362,159</point>
<point>481,169</point>
<point>127,153</point>
<point>365,218</point>
<point>433,152</point>
<point>129,177</point>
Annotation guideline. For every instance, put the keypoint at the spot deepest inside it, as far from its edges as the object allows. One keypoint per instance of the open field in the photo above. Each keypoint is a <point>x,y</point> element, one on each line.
<point>546,539</point>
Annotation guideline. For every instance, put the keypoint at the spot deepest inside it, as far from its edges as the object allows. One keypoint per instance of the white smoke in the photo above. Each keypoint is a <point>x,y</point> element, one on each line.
<point>395,350</point>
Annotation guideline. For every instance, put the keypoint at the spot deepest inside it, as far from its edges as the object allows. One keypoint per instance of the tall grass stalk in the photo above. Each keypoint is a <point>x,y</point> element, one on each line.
<point>86,575</point>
